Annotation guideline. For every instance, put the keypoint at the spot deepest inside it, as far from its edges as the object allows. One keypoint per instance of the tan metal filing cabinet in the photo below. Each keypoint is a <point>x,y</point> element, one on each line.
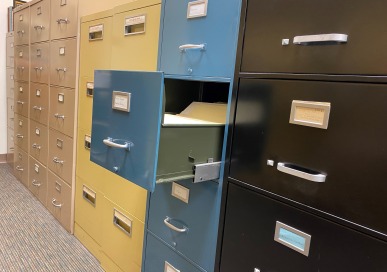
<point>63,54</point>
<point>21,132</point>
<point>21,18</point>
<point>38,180</point>
<point>40,21</point>
<point>10,113</point>
<point>39,102</point>
<point>38,142</point>
<point>10,82</point>
<point>21,98</point>
<point>21,165</point>
<point>10,49</point>
<point>135,35</point>
<point>64,19</point>
<point>62,107</point>
<point>40,62</point>
<point>22,64</point>
<point>10,146</point>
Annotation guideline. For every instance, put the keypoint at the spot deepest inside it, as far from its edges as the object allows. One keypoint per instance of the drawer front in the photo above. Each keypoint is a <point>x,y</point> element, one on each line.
<point>263,132</point>
<point>39,102</point>
<point>196,221</point>
<point>85,109</point>
<point>10,110</point>
<point>123,237</point>
<point>309,49</point>
<point>10,49</point>
<point>161,258</point>
<point>248,240</point>
<point>60,155</point>
<point>59,200</point>
<point>22,63</point>
<point>39,142</point>
<point>22,26</point>
<point>96,46</point>
<point>10,81</point>
<point>21,165</point>
<point>62,107</point>
<point>10,144</point>
<point>217,31</point>
<point>21,132</point>
<point>38,180</point>
<point>40,59</point>
<point>138,42</point>
<point>21,98</point>
<point>64,19</point>
<point>62,62</point>
<point>40,21</point>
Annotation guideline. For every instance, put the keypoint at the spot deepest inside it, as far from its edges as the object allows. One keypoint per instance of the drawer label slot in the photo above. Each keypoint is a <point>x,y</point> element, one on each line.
<point>292,238</point>
<point>311,114</point>
<point>197,9</point>
<point>135,25</point>
<point>96,32</point>
<point>180,192</point>
<point>169,268</point>
<point>121,101</point>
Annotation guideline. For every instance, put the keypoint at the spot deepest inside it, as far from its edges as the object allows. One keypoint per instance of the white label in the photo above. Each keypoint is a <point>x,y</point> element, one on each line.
<point>12,77</point>
<point>37,92</point>
<point>21,18</point>
<point>169,268</point>
<point>37,131</point>
<point>38,52</point>
<point>20,123</point>
<point>97,28</point>
<point>136,20</point>
<point>21,89</point>
<point>36,168</point>
<point>21,54</point>
<point>197,9</point>
<point>309,113</point>
<point>59,143</point>
<point>11,45</point>
<point>121,101</point>
<point>61,97</point>
<point>90,85</point>
<point>63,2</point>
<point>39,10</point>
<point>180,192</point>
<point>87,138</point>
<point>62,51</point>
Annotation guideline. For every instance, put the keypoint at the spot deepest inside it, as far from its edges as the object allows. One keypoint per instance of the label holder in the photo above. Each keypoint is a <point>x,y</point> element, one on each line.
<point>292,238</point>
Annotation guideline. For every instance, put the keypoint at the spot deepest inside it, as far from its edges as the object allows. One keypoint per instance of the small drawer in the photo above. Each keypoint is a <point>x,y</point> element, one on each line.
<point>123,237</point>
<point>21,165</point>
<point>21,103</point>
<point>21,19</point>
<point>160,257</point>
<point>62,107</point>
<point>85,109</point>
<point>40,21</point>
<point>10,143</point>
<point>10,109</point>
<point>59,200</point>
<point>64,19</point>
<point>10,50</point>
<point>10,81</point>
<point>21,132</point>
<point>38,180</point>
<point>39,97</point>
<point>40,59</point>
<point>63,55</point>
<point>60,155</point>
<point>39,142</point>
<point>22,62</point>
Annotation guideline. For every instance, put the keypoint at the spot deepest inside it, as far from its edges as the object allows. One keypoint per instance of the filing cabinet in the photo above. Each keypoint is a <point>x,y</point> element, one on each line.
<point>64,19</point>
<point>21,17</point>
<point>62,108</point>
<point>63,55</point>
<point>21,132</point>
<point>39,68</point>
<point>22,64</point>
<point>10,113</point>
<point>38,142</point>
<point>40,21</point>
<point>10,82</point>
<point>38,180</point>
<point>21,165</point>
<point>10,146</point>
<point>21,95</point>
<point>10,48</point>
<point>85,102</point>
<point>39,102</point>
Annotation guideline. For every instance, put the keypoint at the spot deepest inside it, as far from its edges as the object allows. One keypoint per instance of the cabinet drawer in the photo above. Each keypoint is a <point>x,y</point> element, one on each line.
<point>217,32</point>
<point>136,35</point>
<point>10,110</point>
<point>64,19</point>
<point>10,144</point>
<point>62,107</point>
<point>21,18</point>
<point>21,132</point>
<point>60,155</point>
<point>10,49</point>
<point>40,59</point>
<point>39,142</point>
<point>21,165</point>
<point>96,43</point>
<point>21,94</point>
<point>40,21</point>
<point>85,109</point>
<point>316,43</point>
<point>188,227</point>
<point>159,257</point>
<point>10,82</point>
<point>22,63</point>
<point>59,200</point>
<point>39,103</point>
<point>266,134</point>
<point>248,240</point>
<point>62,62</point>
<point>38,180</point>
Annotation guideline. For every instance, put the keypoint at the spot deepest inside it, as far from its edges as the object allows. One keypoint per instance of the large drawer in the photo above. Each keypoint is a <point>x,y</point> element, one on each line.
<point>207,39</point>
<point>63,56</point>
<point>85,102</point>
<point>39,106</point>
<point>38,180</point>
<point>60,155</point>
<point>272,148</point>
<point>21,165</point>
<point>40,21</point>
<point>64,19</point>
<point>40,59</point>
<point>321,37</point>
<point>62,108</point>
<point>39,142</point>
<point>136,35</point>
<point>21,18</point>
<point>22,62</point>
<point>248,241</point>
<point>21,95</point>
<point>21,131</point>
<point>10,82</point>
<point>186,220</point>
<point>59,200</point>
<point>10,49</point>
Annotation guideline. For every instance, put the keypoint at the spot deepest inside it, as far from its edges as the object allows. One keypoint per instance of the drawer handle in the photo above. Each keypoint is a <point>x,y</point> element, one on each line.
<point>57,160</point>
<point>110,142</point>
<point>38,68</point>
<point>321,38</point>
<point>185,47</point>
<point>19,168</point>
<point>61,69</point>
<point>20,102</point>
<point>19,136</point>
<point>39,27</point>
<point>37,108</point>
<point>36,146</point>
<point>172,227</point>
<point>34,182</point>
<point>61,20</point>
<point>300,172</point>
<point>89,195</point>
<point>53,202</point>
<point>20,68</point>
<point>20,32</point>
<point>122,222</point>
<point>58,116</point>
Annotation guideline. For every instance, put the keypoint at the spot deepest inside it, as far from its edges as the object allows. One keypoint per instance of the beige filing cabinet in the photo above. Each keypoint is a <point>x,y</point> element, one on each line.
<point>9,81</point>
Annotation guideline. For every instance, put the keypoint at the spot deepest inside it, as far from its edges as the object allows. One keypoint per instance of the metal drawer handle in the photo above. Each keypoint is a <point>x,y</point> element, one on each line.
<point>185,47</point>
<point>37,108</point>
<point>19,136</point>
<point>53,202</point>
<point>301,173</point>
<point>56,160</point>
<point>110,142</point>
<point>122,222</point>
<point>20,68</point>
<point>61,20</point>
<point>320,38</point>
<point>19,168</point>
<point>34,182</point>
<point>61,69</point>
<point>20,102</point>
<point>172,227</point>
<point>36,146</point>
<point>38,68</point>
<point>58,116</point>
<point>39,27</point>
<point>20,32</point>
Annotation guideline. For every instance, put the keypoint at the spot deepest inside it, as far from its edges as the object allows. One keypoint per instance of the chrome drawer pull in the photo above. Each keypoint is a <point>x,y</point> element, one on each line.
<point>20,68</point>
<point>61,69</point>
<point>53,202</point>
<point>56,160</point>
<point>20,102</point>
<point>61,20</point>
<point>39,27</point>
<point>20,32</point>
<point>58,116</point>
<point>110,142</point>
<point>321,38</point>
<point>185,47</point>
<point>19,168</point>
<point>297,172</point>
<point>36,146</point>
<point>37,108</point>
<point>34,182</point>
<point>19,136</point>
<point>172,227</point>
<point>38,68</point>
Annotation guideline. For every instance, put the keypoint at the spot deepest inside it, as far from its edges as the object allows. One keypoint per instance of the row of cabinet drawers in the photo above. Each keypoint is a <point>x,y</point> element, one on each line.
<point>50,62</point>
<point>9,49</point>
<point>44,20</point>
